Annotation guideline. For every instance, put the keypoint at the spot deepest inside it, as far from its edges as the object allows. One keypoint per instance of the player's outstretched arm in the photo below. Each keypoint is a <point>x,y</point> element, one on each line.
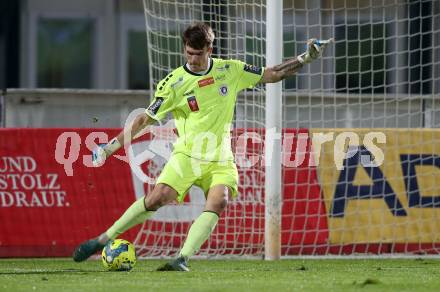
<point>125,136</point>
<point>315,48</point>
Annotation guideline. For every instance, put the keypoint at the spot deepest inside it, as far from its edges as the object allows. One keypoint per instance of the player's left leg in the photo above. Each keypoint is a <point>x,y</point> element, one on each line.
<point>171,185</point>
<point>137,213</point>
<point>202,228</point>
<point>134,215</point>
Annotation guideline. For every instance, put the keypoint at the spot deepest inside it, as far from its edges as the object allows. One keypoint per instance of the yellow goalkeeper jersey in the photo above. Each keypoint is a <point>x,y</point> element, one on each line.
<point>203,106</point>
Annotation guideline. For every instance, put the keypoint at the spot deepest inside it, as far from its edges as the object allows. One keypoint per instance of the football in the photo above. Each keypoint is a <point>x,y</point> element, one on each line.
<point>119,255</point>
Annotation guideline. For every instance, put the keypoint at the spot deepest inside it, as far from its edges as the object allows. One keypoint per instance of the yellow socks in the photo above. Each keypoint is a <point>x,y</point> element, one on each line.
<point>134,215</point>
<point>198,233</point>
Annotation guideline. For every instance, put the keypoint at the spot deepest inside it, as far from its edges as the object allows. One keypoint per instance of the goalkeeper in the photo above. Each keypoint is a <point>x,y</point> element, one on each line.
<point>201,95</point>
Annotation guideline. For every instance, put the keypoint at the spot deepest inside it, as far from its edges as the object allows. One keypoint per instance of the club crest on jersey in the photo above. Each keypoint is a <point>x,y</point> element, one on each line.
<point>192,102</point>
<point>223,90</point>
<point>206,82</point>
<point>252,69</point>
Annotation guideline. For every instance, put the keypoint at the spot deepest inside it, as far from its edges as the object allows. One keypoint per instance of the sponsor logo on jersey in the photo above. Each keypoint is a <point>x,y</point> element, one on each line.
<point>252,69</point>
<point>206,82</point>
<point>220,77</point>
<point>192,102</point>
<point>223,68</point>
<point>178,82</point>
<point>154,107</point>
<point>223,90</point>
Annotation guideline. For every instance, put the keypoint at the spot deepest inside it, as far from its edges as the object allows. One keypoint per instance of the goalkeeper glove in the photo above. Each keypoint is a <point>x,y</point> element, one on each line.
<point>100,153</point>
<point>315,48</point>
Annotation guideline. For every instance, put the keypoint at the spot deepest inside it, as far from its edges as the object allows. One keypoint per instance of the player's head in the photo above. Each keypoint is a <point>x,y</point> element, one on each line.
<point>198,39</point>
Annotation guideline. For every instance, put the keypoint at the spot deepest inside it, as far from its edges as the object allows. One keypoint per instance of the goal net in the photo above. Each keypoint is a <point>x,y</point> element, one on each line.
<point>360,144</point>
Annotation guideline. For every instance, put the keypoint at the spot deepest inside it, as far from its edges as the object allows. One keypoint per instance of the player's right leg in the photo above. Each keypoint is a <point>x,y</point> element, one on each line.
<point>137,213</point>
<point>219,181</point>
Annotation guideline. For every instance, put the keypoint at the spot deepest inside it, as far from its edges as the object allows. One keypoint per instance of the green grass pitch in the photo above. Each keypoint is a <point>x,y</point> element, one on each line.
<point>225,275</point>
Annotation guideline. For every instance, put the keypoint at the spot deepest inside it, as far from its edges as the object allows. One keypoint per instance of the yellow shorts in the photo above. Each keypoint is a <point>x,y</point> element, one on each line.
<point>182,171</point>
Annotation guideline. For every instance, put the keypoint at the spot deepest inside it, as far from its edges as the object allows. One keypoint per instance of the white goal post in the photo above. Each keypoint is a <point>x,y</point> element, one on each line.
<point>273,185</point>
<point>374,94</point>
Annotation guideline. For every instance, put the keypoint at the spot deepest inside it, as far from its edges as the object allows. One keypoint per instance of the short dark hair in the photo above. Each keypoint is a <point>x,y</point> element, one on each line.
<point>198,35</point>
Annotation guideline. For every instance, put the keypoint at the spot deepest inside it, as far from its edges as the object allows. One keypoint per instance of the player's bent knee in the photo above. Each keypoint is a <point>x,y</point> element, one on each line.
<point>217,206</point>
<point>217,199</point>
<point>150,204</point>
<point>222,204</point>
<point>160,196</point>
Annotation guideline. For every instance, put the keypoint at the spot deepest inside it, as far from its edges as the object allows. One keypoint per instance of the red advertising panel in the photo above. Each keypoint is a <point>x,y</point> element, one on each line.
<point>51,198</point>
<point>47,208</point>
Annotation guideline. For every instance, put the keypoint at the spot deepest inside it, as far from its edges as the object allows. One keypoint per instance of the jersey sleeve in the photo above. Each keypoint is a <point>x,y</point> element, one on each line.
<point>248,75</point>
<point>163,102</point>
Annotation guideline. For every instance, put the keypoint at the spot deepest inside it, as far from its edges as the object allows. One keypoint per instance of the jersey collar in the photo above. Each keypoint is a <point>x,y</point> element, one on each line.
<point>211,61</point>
